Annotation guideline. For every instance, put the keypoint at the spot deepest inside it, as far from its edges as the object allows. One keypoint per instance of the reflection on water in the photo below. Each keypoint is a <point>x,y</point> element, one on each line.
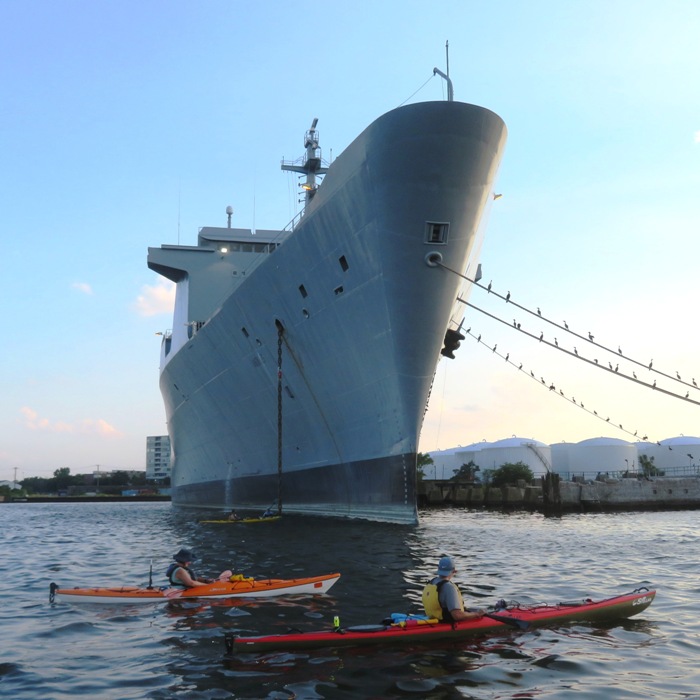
<point>175,649</point>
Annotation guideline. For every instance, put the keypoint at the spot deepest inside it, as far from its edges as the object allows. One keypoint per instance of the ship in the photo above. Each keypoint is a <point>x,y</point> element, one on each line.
<point>300,361</point>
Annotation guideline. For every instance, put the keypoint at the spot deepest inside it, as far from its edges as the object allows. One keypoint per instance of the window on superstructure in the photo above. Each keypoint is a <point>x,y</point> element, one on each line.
<point>343,263</point>
<point>436,232</point>
<point>302,291</point>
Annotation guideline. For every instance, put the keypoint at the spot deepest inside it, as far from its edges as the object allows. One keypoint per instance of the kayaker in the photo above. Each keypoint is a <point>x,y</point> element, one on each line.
<point>180,574</point>
<point>442,599</point>
<point>233,515</point>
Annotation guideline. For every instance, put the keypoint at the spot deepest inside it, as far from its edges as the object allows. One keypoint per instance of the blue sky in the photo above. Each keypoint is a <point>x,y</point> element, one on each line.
<point>131,124</point>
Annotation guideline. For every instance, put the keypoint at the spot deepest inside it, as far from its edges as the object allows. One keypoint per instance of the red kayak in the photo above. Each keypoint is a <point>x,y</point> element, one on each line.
<point>418,630</point>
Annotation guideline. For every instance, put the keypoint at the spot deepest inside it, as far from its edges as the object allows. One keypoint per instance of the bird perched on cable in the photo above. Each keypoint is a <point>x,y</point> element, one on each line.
<point>508,297</point>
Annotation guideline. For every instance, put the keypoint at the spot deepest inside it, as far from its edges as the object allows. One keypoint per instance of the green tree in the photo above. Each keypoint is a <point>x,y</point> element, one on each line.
<point>422,461</point>
<point>648,466</point>
<point>467,472</point>
<point>36,484</point>
<point>62,479</point>
<point>510,473</point>
<point>120,478</point>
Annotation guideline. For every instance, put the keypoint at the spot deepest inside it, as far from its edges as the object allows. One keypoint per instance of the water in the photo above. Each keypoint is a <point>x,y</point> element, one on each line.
<point>176,650</point>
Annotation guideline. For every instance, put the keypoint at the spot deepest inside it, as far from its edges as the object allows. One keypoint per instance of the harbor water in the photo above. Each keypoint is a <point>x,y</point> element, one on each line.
<point>175,650</point>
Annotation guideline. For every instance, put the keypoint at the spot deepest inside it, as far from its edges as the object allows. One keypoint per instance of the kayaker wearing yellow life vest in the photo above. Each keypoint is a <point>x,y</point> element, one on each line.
<point>442,599</point>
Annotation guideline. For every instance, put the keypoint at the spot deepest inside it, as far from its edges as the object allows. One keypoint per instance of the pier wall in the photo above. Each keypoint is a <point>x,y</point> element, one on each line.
<point>551,493</point>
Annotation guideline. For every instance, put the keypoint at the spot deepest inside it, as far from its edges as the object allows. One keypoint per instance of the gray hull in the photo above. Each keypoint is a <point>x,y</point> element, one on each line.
<point>364,311</point>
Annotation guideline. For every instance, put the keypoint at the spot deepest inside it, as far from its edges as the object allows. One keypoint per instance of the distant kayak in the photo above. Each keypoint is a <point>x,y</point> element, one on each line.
<point>241,587</point>
<point>417,630</point>
<point>244,521</point>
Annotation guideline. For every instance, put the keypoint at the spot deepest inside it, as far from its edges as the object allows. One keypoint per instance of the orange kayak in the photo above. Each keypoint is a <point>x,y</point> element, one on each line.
<point>240,588</point>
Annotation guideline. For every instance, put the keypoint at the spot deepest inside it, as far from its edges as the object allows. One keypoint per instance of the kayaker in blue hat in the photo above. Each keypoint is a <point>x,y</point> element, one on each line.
<point>442,599</point>
<point>180,574</point>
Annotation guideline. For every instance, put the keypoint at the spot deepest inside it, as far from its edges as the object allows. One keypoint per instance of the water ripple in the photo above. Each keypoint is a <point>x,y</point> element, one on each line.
<point>175,650</point>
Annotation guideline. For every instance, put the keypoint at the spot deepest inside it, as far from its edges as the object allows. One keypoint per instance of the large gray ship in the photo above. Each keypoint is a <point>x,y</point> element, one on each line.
<point>300,361</point>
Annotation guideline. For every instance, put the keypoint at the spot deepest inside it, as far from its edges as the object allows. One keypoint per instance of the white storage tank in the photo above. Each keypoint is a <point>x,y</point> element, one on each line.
<point>561,458</point>
<point>470,452</point>
<point>604,455</point>
<point>447,462</point>
<point>535,454</point>
<point>677,455</point>
<point>444,464</point>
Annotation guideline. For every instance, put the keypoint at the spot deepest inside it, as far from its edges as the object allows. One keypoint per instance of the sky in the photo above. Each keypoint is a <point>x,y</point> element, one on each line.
<point>131,124</point>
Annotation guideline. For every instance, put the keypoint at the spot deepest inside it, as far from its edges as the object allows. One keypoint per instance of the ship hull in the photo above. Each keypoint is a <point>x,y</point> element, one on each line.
<point>355,303</point>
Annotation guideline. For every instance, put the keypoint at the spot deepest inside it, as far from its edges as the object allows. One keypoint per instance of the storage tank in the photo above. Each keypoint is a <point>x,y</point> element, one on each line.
<point>561,458</point>
<point>604,455</point>
<point>448,461</point>
<point>677,455</point>
<point>445,462</point>
<point>535,454</point>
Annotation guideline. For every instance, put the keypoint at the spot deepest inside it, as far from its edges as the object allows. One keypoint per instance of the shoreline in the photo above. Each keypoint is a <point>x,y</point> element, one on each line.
<point>86,499</point>
<point>549,495</point>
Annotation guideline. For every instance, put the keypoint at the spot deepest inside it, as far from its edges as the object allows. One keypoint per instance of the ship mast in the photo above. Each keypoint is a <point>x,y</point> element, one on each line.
<point>446,76</point>
<point>311,164</point>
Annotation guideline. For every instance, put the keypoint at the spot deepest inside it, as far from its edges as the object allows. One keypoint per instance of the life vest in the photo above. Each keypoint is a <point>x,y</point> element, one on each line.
<point>170,573</point>
<point>431,601</point>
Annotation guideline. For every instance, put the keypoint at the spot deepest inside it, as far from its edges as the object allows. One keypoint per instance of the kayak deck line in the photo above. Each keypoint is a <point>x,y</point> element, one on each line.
<point>240,587</point>
<point>420,630</point>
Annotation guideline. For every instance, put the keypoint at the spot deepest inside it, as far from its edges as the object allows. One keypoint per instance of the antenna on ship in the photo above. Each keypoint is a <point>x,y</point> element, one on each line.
<point>229,214</point>
<point>446,76</point>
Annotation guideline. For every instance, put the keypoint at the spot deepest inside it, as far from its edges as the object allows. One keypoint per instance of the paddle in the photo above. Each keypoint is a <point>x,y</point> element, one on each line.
<point>520,624</point>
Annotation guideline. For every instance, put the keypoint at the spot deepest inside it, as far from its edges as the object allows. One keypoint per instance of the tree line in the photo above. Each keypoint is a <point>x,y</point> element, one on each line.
<point>64,483</point>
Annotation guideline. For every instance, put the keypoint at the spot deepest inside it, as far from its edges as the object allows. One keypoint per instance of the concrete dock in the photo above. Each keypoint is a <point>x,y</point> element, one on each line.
<point>550,493</point>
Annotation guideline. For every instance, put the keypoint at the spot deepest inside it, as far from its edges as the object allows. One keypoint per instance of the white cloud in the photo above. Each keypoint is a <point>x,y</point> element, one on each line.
<point>83,287</point>
<point>88,426</point>
<point>156,299</point>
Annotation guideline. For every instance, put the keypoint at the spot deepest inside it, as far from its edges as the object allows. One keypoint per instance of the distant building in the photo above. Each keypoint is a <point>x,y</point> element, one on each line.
<point>158,457</point>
